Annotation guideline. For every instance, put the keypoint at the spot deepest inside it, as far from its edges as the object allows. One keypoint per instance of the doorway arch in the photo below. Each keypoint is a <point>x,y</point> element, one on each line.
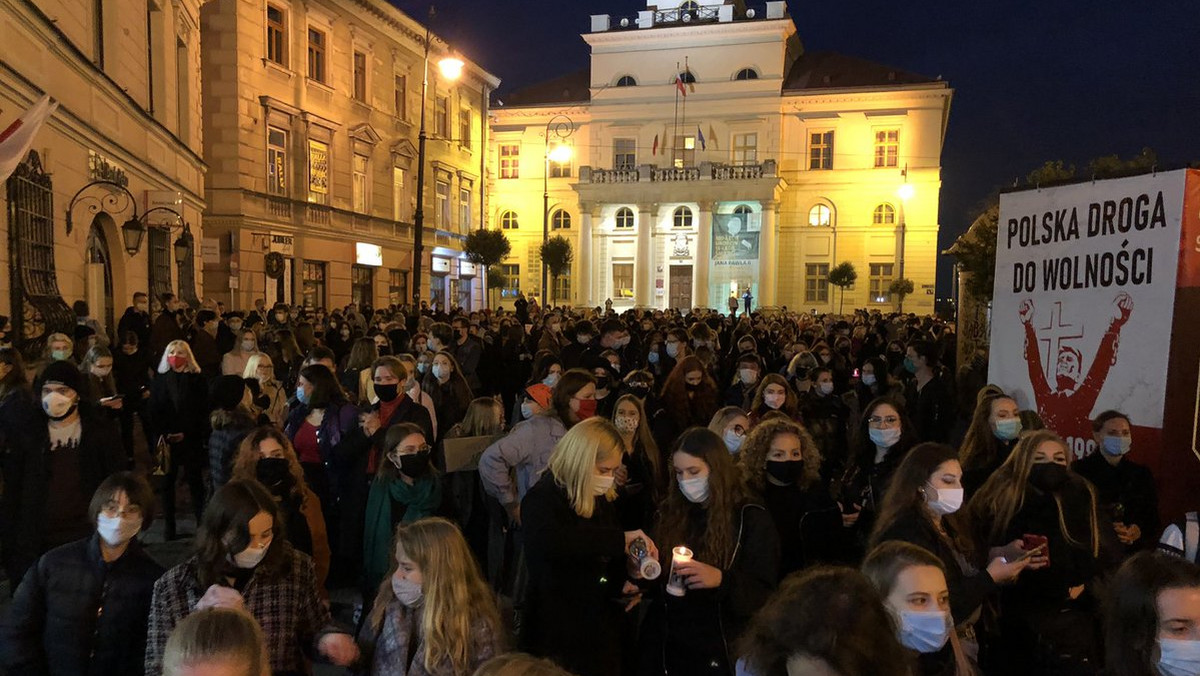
<point>98,276</point>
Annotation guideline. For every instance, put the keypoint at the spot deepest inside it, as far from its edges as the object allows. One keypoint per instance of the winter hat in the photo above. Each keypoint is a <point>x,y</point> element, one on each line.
<point>540,394</point>
<point>227,392</point>
<point>61,372</point>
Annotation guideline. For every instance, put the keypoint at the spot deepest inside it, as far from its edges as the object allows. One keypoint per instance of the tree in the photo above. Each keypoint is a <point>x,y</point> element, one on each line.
<point>496,278</point>
<point>487,248</point>
<point>556,255</point>
<point>842,276</point>
<point>900,288</point>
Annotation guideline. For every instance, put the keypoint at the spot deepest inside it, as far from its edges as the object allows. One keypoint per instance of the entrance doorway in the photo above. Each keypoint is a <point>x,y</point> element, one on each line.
<point>680,297</point>
<point>98,278</point>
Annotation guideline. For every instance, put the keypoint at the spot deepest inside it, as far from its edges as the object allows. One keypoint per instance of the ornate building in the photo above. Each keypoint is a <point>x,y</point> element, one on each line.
<point>312,110</point>
<point>108,202</point>
<point>710,153</point>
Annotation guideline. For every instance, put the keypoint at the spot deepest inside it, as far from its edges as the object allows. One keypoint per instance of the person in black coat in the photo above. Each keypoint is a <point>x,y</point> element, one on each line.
<point>131,370</point>
<point>179,410</point>
<point>136,319</point>
<point>576,551</point>
<point>927,396</point>
<point>83,607</point>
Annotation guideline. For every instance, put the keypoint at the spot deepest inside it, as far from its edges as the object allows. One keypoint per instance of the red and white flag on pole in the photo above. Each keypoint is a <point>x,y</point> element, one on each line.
<point>16,139</point>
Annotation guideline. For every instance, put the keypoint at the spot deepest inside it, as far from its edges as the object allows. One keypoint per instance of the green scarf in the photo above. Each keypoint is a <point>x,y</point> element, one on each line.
<point>421,499</point>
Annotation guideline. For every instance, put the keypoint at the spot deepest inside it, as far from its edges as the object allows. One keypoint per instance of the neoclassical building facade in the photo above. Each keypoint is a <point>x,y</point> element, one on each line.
<point>710,154</point>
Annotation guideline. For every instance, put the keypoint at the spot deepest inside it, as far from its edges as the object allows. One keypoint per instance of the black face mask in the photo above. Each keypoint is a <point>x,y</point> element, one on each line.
<point>1048,477</point>
<point>275,474</point>
<point>415,465</point>
<point>692,387</point>
<point>785,471</point>
<point>387,392</point>
<point>603,382</point>
<point>640,391</point>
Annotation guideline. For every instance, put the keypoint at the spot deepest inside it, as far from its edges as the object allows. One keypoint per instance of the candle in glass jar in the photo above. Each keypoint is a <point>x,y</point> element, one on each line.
<point>676,584</point>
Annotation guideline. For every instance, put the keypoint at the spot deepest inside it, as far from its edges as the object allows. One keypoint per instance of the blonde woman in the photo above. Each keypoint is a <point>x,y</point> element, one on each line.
<point>731,424</point>
<point>178,410</point>
<point>434,614</point>
<point>233,363</point>
<point>59,347</point>
<point>217,641</point>
<point>272,399</point>
<point>573,539</point>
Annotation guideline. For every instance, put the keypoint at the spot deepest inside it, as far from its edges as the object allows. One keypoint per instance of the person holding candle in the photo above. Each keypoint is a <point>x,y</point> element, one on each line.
<point>733,567</point>
<point>577,553</point>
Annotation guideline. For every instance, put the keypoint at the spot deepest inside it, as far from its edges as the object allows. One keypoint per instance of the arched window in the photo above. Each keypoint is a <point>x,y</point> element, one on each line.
<point>689,6</point>
<point>508,220</point>
<point>627,81</point>
<point>820,216</point>
<point>687,77</point>
<point>683,217</point>
<point>885,214</point>
<point>624,218</point>
<point>746,74</point>
<point>560,220</point>
<point>742,210</point>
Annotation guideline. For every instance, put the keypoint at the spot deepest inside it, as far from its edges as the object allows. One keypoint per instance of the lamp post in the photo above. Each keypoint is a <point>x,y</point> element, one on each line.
<point>133,231</point>
<point>562,127</point>
<point>905,193</point>
<point>451,69</point>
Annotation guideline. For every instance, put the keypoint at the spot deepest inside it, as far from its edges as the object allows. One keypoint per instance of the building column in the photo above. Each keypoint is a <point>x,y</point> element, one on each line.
<point>643,267</point>
<point>768,257</point>
<point>584,278</point>
<point>703,257</point>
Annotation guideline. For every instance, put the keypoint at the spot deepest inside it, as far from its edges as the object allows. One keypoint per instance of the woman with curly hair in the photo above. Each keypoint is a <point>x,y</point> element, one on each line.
<point>774,394</point>
<point>733,568</point>
<point>780,462</point>
<point>689,399</point>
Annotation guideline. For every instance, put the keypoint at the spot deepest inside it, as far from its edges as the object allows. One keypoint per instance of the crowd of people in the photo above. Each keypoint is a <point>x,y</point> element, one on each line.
<point>650,492</point>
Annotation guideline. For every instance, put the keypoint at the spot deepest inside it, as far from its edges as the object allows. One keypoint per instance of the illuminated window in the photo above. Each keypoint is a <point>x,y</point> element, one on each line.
<point>881,280</point>
<point>820,216</point>
<point>318,172</point>
<point>885,214</point>
<point>361,184</point>
<point>622,274</point>
<point>277,161</point>
<point>399,206</point>
<point>510,160</point>
<point>887,147</point>
<point>684,152</point>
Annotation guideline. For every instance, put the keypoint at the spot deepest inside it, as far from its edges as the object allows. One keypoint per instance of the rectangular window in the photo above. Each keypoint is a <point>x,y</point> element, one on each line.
<point>316,54</point>
<point>624,153</point>
<point>442,193</point>
<point>464,210</point>
<point>397,287</point>
<point>312,284</point>
<point>510,160</point>
<point>622,274</point>
<point>887,147</point>
<point>464,127</point>
<point>560,169</point>
<point>277,35</point>
<point>684,152</point>
<point>400,94</point>
<point>881,279</point>
<point>399,197</point>
<point>318,172</point>
<point>277,161</point>
<point>362,184</point>
<point>820,150</point>
<point>512,280</point>
<point>360,76</point>
<point>562,286</point>
<point>362,281</point>
<point>816,283</point>
<point>745,149</point>
<point>441,117</point>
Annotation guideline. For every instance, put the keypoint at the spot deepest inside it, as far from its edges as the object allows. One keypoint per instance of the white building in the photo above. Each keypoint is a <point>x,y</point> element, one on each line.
<point>765,168</point>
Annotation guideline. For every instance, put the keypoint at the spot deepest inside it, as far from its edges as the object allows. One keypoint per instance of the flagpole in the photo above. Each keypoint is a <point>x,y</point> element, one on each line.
<point>683,113</point>
<point>675,118</point>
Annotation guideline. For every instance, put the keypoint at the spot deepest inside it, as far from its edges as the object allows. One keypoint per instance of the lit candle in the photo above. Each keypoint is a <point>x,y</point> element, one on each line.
<point>676,584</point>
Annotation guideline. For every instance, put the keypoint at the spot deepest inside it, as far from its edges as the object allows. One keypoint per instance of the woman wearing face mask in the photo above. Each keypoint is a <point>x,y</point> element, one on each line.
<point>689,399</point>
<point>97,365</point>
<point>578,554</point>
<point>272,399</point>
<point>732,425</point>
<point>434,615</point>
<point>827,417</point>
<point>242,560</point>
<point>1152,623</point>
<point>781,463</point>
<point>59,347</point>
<point>287,357</point>
<point>874,381</point>
<point>798,372</point>
<point>675,348</point>
<point>82,607</point>
<point>919,508</point>
<point>266,455</point>
<point>233,363</point>
<point>406,488</point>
<point>639,480</point>
<point>412,387</point>
<point>547,370</point>
<point>1049,613</point>
<point>552,339</point>
<point>885,436</point>
<point>535,400</point>
<point>178,409</point>
<point>773,394</point>
<point>448,388</point>
<point>912,582</point>
<point>733,568</point>
<point>131,371</point>
<point>991,436</point>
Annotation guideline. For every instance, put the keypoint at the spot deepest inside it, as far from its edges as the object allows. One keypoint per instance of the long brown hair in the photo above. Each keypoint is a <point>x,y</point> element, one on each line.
<point>685,410</point>
<point>791,403</point>
<point>726,497</point>
<point>483,419</point>
<point>980,448</point>
<point>245,462</point>
<point>906,495</point>
<point>642,436</point>
<point>225,530</point>
<point>753,456</point>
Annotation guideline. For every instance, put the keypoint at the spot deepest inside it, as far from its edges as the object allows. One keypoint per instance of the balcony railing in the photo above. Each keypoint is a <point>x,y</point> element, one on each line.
<point>686,15</point>
<point>705,171</point>
<point>312,217</point>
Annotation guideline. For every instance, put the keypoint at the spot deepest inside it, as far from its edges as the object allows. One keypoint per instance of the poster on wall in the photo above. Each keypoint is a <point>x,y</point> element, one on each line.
<point>734,238</point>
<point>1083,298</point>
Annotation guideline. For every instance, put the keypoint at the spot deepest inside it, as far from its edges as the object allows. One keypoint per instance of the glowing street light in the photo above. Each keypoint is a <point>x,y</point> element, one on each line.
<point>561,154</point>
<point>451,67</point>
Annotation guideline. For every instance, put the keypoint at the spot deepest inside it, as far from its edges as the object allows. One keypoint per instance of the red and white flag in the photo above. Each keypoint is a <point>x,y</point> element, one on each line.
<point>16,139</point>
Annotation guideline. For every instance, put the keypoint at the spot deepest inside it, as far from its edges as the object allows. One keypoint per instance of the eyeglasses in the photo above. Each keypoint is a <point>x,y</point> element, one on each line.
<point>889,420</point>
<point>112,510</point>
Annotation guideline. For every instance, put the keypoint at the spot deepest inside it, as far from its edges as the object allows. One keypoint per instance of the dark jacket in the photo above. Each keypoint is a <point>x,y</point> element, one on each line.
<point>228,430</point>
<point>809,524</point>
<point>576,571</point>
<point>75,614</point>
<point>138,322</point>
<point>179,405</point>
<point>165,329</point>
<point>132,373</point>
<point>208,355</point>
<point>827,419</point>
<point>1126,494</point>
<point>932,409</point>
<point>468,356</point>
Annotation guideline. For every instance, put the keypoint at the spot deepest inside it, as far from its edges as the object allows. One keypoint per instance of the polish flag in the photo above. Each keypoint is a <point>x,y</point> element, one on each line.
<point>16,139</point>
<point>679,86</point>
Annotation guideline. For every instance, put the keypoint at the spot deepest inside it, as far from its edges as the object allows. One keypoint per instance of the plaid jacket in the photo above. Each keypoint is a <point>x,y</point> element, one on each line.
<point>288,608</point>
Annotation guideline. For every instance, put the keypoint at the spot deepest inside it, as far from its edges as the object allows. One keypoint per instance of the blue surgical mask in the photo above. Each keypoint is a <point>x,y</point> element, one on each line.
<point>1178,658</point>
<point>301,395</point>
<point>60,355</point>
<point>695,490</point>
<point>924,632</point>
<point>885,438</point>
<point>1008,428</point>
<point>1113,445</point>
<point>910,365</point>
<point>652,357</point>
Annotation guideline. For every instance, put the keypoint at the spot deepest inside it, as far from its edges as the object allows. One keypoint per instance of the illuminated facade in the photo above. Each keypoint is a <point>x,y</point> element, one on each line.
<point>763,167</point>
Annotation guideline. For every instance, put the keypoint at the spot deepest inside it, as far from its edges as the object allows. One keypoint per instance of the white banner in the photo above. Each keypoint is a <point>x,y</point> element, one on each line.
<point>1084,295</point>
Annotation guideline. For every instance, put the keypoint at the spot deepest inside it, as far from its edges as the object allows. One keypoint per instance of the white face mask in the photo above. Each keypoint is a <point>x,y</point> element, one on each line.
<point>527,410</point>
<point>439,372</point>
<point>102,372</point>
<point>116,530</point>
<point>602,484</point>
<point>774,401</point>
<point>695,490</point>
<point>251,556</point>
<point>249,345</point>
<point>748,376</point>
<point>733,441</point>
<point>868,379</point>
<point>409,593</point>
<point>924,632</point>
<point>826,388</point>
<point>1178,658</point>
<point>944,501</point>
<point>57,405</point>
<point>672,350</point>
<point>885,438</point>
<point>626,424</point>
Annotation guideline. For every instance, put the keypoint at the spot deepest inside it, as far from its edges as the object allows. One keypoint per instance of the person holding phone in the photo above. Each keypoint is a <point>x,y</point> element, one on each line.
<point>1049,621</point>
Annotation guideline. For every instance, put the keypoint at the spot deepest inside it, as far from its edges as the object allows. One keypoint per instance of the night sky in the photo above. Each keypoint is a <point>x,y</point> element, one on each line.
<point>1033,81</point>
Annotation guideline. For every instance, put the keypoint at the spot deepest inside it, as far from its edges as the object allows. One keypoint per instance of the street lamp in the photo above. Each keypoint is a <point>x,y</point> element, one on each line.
<point>905,193</point>
<point>451,68</point>
<point>562,127</point>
